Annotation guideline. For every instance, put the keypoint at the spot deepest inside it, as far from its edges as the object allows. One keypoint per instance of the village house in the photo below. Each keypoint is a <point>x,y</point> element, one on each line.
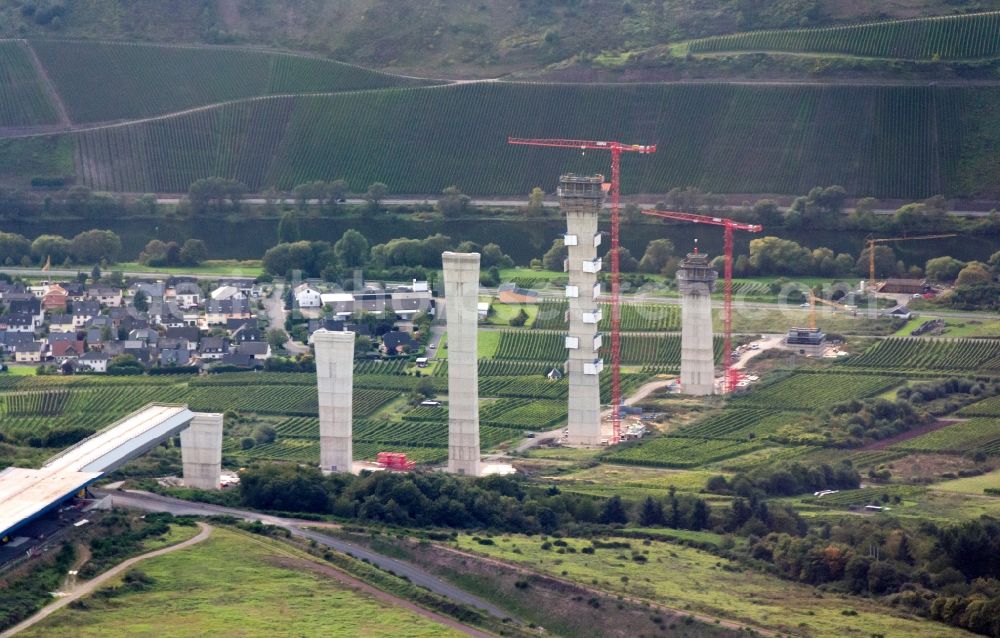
<point>84,311</point>
<point>306,296</point>
<point>94,361</point>
<point>33,352</point>
<point>106,296</point>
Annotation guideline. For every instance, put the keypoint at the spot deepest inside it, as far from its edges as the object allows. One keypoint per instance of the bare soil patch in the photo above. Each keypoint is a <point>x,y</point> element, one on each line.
<point>923,467</point>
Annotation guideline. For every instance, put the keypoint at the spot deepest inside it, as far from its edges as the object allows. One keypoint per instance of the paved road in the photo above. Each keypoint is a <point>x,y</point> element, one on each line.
<point>87,588</point>
<point>537,440</point>
<point>64,272</point>
<point>274,305</point>
<point>156,503</point>
<point>417,200</point>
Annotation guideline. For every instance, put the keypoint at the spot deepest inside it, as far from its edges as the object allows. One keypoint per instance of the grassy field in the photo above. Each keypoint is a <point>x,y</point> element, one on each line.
<point>971,485</point>
<point>222,267</point>
<point>488,342</point>
<point>26,158</point>
<point>879,141</point>
<point>688,578</point>
<point>237,584</point>
<point>503,313</point>
<point>606,480</point>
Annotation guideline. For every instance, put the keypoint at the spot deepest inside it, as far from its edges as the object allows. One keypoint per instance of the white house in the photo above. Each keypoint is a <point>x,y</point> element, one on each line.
<point>223,293</point>
<point>308,297</point>
<point>188,295</point>
<point>94,361</point>
<point>341,302</point>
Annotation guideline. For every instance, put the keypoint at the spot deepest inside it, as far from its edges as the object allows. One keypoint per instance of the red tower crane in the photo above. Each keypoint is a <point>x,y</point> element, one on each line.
<point>729,225</point>
<point>616,148</point>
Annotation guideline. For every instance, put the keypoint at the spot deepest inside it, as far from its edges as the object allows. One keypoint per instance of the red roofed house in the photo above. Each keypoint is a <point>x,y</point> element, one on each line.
<point>55,298</point>
<point>63,351</point>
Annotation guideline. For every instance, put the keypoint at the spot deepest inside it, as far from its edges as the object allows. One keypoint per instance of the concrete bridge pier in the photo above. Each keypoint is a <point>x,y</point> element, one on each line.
<point>201,451</point>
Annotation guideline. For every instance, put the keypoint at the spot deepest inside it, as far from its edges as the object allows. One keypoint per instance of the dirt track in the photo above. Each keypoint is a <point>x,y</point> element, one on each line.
<point>87,588</point>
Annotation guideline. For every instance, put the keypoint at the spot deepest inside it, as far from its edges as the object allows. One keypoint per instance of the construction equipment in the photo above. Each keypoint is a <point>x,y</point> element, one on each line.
<point>394,461</point>
<point>616,148</point>
<point>813,300</point>
<point>729,226</point>
<point>872,242</point>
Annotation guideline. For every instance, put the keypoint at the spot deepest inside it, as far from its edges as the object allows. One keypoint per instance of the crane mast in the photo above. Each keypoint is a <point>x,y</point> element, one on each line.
<point>616,149</point>
<point>872,242</point>
<point>729,227</point>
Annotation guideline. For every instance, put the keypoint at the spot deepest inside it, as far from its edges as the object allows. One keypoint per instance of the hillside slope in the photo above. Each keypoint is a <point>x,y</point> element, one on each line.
<point>151,79</point>
<point>446,37</point>
<point>903,142</point>
<point>965,37</point>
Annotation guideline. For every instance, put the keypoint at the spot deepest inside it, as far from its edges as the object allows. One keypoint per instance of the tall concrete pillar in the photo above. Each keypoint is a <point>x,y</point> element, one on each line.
<point>696,281</point>
<point>201,451</point>
<point>335,381</point>
<point>581,199</point>
<point>461,290</point>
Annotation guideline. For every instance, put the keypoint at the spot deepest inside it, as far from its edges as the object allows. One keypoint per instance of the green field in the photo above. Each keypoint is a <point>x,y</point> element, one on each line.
<point>960,37</point>
<point>971,485</point>
<point>195,76</point>
<point>268,590</point>
<point>879,141</point>
<point>687,578</point>
<point>607,480</point>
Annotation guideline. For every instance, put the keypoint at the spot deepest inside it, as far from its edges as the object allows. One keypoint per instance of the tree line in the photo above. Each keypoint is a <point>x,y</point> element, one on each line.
<point>500,503</point>
<point>88,247</point>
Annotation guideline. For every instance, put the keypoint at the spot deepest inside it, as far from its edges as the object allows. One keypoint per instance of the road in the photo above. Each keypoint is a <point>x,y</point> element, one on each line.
<point>506,202</point>
<point>156,503</point>
<point>274,305</point>
<point>87,588</point>
<point>538,439</point>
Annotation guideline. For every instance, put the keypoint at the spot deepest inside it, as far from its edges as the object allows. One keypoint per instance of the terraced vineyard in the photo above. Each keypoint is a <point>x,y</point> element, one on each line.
<point>880,141</point>
<point>23,99</point>
<point>961,37</point>
<point>879,496</point>
<point>741,424</point>
<point>292,399</point>
<point>45,403</point>
<point>924,354</point>
<point>987,407</point>
<point>498,368</point>
<point>811,391</point>
<point>974,435</point>
<point>196,76</point>
<point>681,452</point>
<point>643,317</point>
<point>522,387</point>
<point>522,345</point>
<point>637,349</point>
